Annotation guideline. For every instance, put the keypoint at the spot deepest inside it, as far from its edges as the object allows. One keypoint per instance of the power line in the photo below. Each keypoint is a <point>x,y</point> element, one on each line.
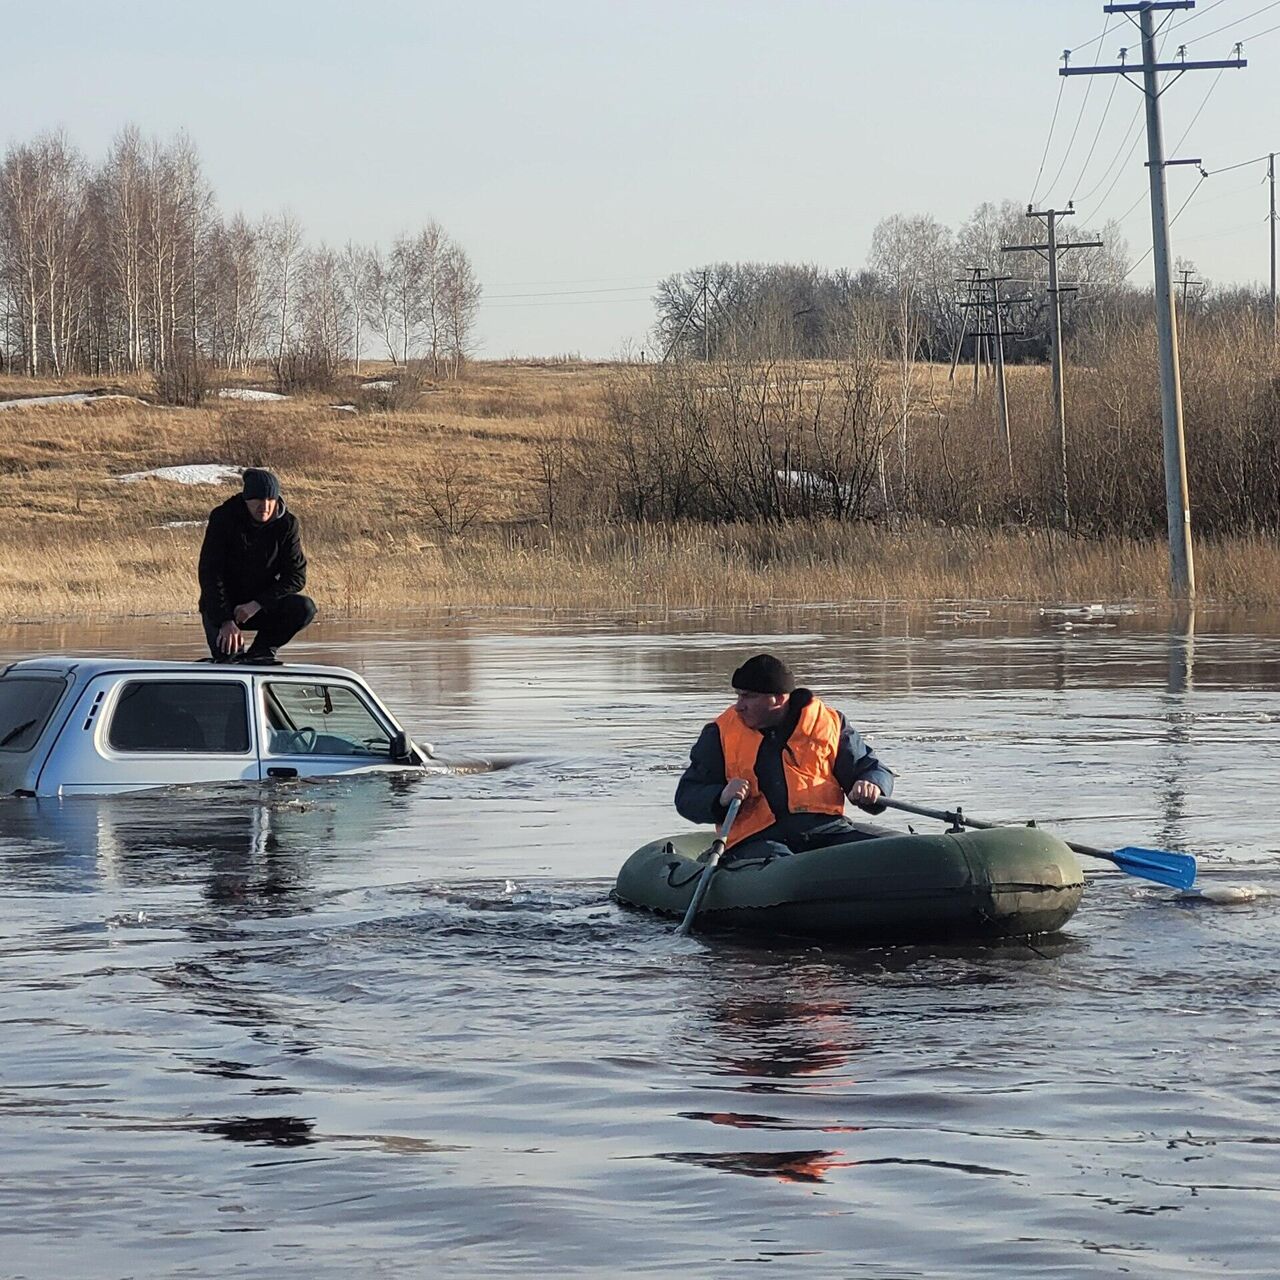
<point>1071,142</point>
<point>1257,35</point>
<point>564,293</point>
<point>576,302</point>
<point>1106,110</point>
<point>1177,146</point>
<point>1137,112</point>
<point>1172,220</point>
<point>525,284</point>
<point>1047,142</point>
<point>1227,168</point>
<point>1200,13</point>
<point>1107,26</point>
<point>1137,137</point>
<point>1235,22</point>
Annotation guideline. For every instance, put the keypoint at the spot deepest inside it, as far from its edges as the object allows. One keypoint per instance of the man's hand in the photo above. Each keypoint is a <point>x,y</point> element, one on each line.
<point>734,789</point>
<point>230,637</point>
<point>243,612</point>
<point>864,794</point>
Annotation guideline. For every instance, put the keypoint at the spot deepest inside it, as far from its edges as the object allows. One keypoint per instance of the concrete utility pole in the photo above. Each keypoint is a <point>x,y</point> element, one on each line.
<point>1181,567</point>
<point>993,305</point>
<point>1271,178</point>
<point>702,296</point>
<point>1187,283</point>
<point>1050,250</point>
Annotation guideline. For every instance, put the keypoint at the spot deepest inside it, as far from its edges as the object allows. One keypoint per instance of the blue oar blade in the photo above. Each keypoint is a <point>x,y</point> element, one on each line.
<point>1177,870</point>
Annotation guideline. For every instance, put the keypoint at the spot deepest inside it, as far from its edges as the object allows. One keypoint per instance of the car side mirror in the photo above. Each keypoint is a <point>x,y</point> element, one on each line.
<point>402,748</point>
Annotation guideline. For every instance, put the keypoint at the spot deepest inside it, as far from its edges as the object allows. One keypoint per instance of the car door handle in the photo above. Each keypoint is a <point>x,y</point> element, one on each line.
<point>282,771</point>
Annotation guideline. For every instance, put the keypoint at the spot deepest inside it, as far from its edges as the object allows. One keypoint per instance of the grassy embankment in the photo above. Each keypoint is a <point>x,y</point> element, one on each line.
<point>76,542</point>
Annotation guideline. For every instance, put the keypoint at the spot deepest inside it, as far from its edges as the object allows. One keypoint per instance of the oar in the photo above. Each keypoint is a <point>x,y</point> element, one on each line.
<point>709,869</point>
<point>1177,870</point>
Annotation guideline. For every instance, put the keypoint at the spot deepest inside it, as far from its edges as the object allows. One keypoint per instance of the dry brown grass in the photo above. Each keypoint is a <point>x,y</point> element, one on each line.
<point>74,541</point>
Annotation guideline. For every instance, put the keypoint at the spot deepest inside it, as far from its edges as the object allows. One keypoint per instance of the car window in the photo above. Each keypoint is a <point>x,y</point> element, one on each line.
<point>200,716</point>
<point>25,707</point>
<point>314,718</point>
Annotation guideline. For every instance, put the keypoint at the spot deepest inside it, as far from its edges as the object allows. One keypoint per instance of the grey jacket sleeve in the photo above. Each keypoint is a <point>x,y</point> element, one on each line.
<point>855,762</point>
<point>698,792</point>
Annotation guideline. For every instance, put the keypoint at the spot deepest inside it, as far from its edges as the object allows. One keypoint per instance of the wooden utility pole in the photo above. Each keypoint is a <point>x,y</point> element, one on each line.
<point>1177,503</point>
<point>1050,251</point>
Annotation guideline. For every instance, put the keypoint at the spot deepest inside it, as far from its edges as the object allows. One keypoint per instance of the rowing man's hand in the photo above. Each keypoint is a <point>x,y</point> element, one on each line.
<point>864,794</point>
<point>734,789</point>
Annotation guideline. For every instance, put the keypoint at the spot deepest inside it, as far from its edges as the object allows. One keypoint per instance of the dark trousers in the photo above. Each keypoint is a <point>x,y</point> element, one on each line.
<point>798,833</point>
<point>276,624</point>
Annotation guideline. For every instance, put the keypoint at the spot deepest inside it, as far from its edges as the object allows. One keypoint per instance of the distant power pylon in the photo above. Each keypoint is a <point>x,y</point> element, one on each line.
<point>1051,250</point>
<point>1181,566</point>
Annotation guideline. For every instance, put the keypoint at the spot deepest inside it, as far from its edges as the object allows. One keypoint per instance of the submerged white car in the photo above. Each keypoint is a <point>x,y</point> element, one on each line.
<point>86,726</point>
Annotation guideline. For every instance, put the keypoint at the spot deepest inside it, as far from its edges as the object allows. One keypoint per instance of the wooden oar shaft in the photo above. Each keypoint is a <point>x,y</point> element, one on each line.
<point>960,818</point>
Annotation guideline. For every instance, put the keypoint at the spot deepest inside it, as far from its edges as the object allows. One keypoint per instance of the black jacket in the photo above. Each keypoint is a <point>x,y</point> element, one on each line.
<point>698,794</point>
<point>242,560</point>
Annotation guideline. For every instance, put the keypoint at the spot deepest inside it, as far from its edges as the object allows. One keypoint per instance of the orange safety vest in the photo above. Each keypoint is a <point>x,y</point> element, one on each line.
<point>808,765</point>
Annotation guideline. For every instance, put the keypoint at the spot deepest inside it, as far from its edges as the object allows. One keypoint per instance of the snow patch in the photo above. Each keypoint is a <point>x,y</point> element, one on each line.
<point>383,384</point>
<point>344,408</point>
<point>68,397</point>
<point>191,473</point>
<point>812,485</point>
<point>249,393</point>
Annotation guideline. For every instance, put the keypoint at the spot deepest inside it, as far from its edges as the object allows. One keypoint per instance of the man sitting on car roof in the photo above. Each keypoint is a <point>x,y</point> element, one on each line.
<point>252,572</point>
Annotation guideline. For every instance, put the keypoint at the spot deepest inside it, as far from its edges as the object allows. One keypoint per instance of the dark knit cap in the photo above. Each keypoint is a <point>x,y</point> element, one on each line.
<point>764,674</point>
<point>260,484</point>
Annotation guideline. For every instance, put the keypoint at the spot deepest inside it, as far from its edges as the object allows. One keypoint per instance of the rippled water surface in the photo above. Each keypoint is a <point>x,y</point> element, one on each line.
<point>373,1027</point>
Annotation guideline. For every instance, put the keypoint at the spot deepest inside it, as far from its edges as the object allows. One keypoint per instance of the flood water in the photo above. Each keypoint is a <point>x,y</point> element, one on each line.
<point>373,1028</point>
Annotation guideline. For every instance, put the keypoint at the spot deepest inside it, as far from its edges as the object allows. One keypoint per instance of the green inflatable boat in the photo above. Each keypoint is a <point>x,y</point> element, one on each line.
<point>1003,883</point>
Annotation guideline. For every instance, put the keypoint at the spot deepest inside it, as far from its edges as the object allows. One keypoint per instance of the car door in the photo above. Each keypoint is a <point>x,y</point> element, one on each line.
<point>130,731</point>
<point>313,726</point>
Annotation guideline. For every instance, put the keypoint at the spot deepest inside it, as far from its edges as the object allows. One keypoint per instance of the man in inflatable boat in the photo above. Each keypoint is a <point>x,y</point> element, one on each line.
<point>789,758</point>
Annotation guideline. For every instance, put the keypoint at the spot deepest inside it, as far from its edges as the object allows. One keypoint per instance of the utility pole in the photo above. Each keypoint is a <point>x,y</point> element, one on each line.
<point>1050,251</point>
<point>706,327</point>
<point>700,297</point>
<point>994,329</point>
<point>1181,566</point>
<point>974,283</point>
<point>1271,178</point>
<point>1187,283</point>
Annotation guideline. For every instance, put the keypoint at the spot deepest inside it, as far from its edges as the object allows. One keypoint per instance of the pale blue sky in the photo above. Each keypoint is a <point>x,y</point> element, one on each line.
<point>572,145</point>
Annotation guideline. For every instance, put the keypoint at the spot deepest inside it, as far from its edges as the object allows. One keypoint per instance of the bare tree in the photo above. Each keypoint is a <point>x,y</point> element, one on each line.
<point>460,302</point>
<point>283,247</point>
<point>353,268</point>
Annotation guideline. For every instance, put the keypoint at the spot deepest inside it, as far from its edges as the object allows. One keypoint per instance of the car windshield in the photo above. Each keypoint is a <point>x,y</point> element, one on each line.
<point>25,706</point>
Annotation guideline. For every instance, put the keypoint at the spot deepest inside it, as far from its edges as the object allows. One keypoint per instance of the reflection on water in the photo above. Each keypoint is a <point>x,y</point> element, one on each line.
<point>383,1025</point>
<point>1179,718</point>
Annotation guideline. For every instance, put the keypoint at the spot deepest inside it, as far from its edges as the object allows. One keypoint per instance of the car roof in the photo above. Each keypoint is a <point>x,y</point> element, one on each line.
<point>88,666</point>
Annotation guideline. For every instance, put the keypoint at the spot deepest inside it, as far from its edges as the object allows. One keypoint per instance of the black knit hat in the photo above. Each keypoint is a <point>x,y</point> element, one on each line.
<point>764,674</point>
<point>260,484</point>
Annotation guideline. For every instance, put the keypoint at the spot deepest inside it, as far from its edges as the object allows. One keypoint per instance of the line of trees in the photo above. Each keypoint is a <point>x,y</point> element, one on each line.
<point>915,271</point>
<point>130,265</point>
